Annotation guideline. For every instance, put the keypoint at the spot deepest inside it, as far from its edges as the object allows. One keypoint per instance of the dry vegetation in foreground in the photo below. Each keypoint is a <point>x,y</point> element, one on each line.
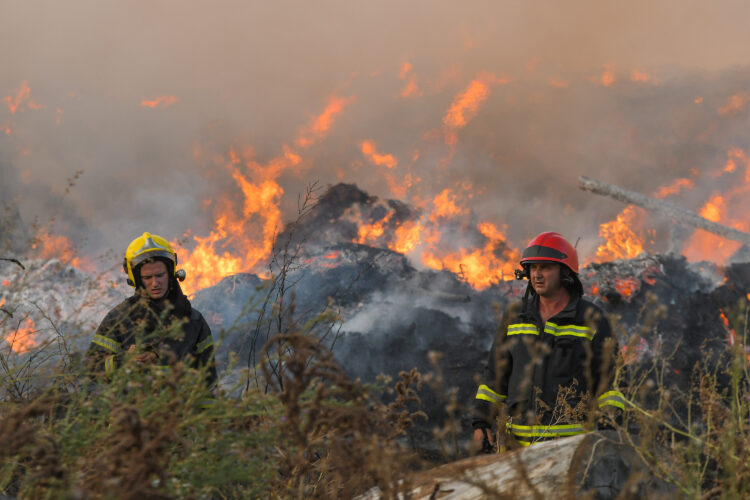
<point>316,434</point>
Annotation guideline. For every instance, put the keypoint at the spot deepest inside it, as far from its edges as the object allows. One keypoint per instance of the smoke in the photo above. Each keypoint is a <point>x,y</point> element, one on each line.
<point>149,98</point>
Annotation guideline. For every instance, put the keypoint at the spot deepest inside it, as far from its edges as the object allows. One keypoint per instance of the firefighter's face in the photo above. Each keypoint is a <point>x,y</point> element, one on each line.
<point>155,279</point>
<point>545,278</point>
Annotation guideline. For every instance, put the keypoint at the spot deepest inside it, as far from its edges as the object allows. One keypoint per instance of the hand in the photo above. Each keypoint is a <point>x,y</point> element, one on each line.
<point>480,435</point>
<point>145,358</point>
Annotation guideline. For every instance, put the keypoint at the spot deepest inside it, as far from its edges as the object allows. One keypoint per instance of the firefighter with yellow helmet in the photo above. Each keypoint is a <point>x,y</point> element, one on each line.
<point>551,368</point>
<point>157,323</point>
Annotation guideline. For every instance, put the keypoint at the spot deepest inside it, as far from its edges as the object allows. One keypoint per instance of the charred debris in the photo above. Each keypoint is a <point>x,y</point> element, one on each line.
<point>393,316</point>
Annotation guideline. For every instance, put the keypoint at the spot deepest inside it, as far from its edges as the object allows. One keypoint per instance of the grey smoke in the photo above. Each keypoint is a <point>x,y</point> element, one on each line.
<point>252,74</point>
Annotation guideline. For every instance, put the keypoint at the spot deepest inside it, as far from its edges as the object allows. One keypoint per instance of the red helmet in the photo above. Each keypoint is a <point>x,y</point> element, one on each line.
<point>551,247</point>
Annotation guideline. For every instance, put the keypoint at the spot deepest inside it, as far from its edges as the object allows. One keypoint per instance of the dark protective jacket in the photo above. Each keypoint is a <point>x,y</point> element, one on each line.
<point>170,328</point>
<point>549,375</point>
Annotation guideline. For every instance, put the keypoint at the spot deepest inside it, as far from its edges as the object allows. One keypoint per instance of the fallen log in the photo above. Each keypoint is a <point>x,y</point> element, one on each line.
<point>595,465</point>
<point>679,214</point>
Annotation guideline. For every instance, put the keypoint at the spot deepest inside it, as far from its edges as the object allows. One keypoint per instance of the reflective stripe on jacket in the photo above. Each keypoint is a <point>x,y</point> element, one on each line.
<point>538,369</point>
<point>121,329</point>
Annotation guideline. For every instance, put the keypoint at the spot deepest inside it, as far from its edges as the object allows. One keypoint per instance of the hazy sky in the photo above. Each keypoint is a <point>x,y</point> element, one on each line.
<point>629,92</point>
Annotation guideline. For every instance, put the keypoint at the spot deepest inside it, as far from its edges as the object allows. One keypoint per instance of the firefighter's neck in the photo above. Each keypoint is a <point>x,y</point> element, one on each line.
<point>553,302</point>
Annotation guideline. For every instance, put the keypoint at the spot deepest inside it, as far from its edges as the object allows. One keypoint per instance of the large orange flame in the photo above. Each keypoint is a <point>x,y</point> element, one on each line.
<point>480,267</point>
<point>408,236</point>
<point>445,206</point>
<point>620,240</point>
<point>243,233</point>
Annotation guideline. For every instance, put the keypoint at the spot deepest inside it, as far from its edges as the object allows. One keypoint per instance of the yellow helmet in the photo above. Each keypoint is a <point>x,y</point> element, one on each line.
<point>149,246</point>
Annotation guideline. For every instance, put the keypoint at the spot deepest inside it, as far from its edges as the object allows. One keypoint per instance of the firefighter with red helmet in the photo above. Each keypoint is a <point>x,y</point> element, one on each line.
<point>551,367</point>
<point>157,324</point>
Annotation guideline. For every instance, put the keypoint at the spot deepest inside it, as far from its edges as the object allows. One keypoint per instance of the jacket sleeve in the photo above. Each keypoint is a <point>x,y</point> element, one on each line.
<point>105,351</point>
<point>493,391</point>
<point>604,364</point>
<point>204,351</point>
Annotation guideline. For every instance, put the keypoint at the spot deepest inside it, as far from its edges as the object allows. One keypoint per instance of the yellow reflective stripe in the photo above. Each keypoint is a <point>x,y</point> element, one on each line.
<point>486,394</point>
<point>205,344</point>
<point>523,329</point>
<point>612,398</point>
<point>207,403</point>
<point>533,431</point>
<point>106,342</point>
<point>573,330</point>
<point>109,364</point>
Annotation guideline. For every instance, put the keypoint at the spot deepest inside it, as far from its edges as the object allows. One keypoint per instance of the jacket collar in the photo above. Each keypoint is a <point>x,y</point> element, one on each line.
<point>569,312</point>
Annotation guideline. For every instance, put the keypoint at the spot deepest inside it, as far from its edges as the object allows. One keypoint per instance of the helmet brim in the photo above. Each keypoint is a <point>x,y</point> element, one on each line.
<point>152,254</point>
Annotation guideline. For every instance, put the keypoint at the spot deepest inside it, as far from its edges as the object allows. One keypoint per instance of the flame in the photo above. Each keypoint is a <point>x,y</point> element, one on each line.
<point>14,102</point>
<point>608,77</point>
<point>558,83</point>
<point>627,287</point>
<point>674,188</point>
<point>480,267</point>
<point>735,104</point>
<point>370,233</point>
<point>369,150</point>
<point>408,236</point>
<point>620,240</point>
<point>445,206</point>
<point>411,89</point>
<point>632,353</point>
<point>465,105</point>
<point>53,246</point>
<point>731,334</point>
<point>243,233</point>
<point>639,77</point>
<point>698,100</point>
<point>23,339</point>
<point>320,124</point>
<point>703,245</point>
<point>159,102</point>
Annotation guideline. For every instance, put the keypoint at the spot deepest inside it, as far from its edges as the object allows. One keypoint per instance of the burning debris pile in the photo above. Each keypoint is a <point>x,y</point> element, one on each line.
<point>43,300</point>
<point>393,315</point>
<point>390,315</point>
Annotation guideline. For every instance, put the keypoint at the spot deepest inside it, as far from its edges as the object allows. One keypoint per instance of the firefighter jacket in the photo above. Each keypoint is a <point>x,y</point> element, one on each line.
<point>549,375</point>
<point>170,328</point>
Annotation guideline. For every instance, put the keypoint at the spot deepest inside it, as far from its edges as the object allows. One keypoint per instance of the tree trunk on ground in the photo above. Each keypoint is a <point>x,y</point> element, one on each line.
<point>595,465</point>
